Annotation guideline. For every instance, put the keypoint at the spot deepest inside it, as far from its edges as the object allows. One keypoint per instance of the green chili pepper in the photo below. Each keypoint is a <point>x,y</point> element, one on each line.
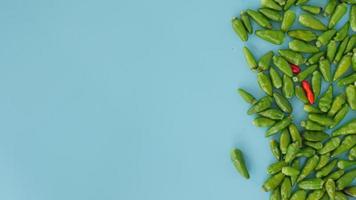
<point>271,14</point>
<point>288,87</point>
<point>315,136</point>
<point>288,20</point>
<point>321,119</point>
<point>324,159</point>
<point>339,12</point>
<point>311,22</point>
<point>300,46</point>
<point>336,175</point>
<point>342,33</point>
<point>239,29</point>
<point>346,129</point>
<point>284,141</point>
<point>296,165</point>
<point>311,184</point>
<point>330,188</point>
<point>325,69</point>
<point>299,195</point>
<point>263,122</point>
<point>259,19</point>
<point>353,18</point>
<point>276,194</point>
<point>351,44</point>
<point>311,109</point>
<point>306,152</point>
<point>316,195</point>
<point>239,163</point>
<point>305,73</point>
<point>289,3</point>
<point>347,80</point>
<point>265,83</point>
<point>316,83</point>
<point>352,153</point>
<point>354,61</point>
<point>265,61</point>
<point>281,2</point>
<point>276,167</point>
<point>343,66</point>
<point>347,144</point>
<point>325,37</point>
<point>300,2</point>
<point>272,113</point>
<point>279,126</point>
<point>292,57</point>
<point>282,102</point>
<point>340,196</point>
<point>330,7</point>
<point>286,188</point>
<point>292,152</point>
<point>299,93</point>
<point>275,77</point>
<point>311,9</point>
<point>290,171</point>
<point>351,191</point>
<point>246,96</point>
<point>273,182</point>
<point>337,104</point>
<point>282,65</point>
<point>326,100</point>
<point>331,50</point>
<point>251,61</point>
<point>246,22</point>
<point>314,145</point>
<point>308,168</point>
<point>340,115</point>
<point>261,105</point>
<point>346,179</point>
<point>341,50</point>
<point>272,36</point>
<point>344,164</point>
<point>327,169</point>
<point>312,126</point>
<point>330,145</point>
<point>295,135</point>
<point>275,149</point>
<point>351,96</point>
<point>270,4</point>
<point>304,35</point>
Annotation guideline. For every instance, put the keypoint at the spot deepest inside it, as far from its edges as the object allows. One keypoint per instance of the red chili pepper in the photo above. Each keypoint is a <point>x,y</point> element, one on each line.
<point>295,68</point>
<point>308,91</point>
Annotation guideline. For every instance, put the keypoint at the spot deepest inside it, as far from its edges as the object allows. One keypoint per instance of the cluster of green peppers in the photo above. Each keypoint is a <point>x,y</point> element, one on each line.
<point>299,71</point>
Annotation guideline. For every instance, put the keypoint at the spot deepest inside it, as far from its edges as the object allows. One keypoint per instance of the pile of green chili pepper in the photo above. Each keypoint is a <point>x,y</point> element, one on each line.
<point>310,163</point>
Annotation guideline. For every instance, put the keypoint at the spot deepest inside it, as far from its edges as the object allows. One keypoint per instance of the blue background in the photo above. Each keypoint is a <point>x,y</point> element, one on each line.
<point>126,100</point>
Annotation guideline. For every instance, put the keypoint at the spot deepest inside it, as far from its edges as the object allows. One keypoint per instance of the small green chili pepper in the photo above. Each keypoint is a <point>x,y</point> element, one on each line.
<point>272,113</point>
<point>296,165</point>
<point>311,184</point>
<point>326,100</point>
<point>295,135</point>
<point>315,136</point>
<point>314,145</point>
<point>272,36</point>
<point>279,126</point>
<point>273,182</point>
<point>351,96</point>
<point>288,20</point>
<point>346,129</point>
<point>347,80</point>
<point>276,78</point>
<point>289,4</point>
<point>284,141</point>
<point>239,163</point>
<point>288,87</point>
<point>265,83</point>
<point>316,195</point>
<point>276,167</point>
<point>299,195</point>
<point>290,171</point>
<point>337,104</point>
<point>343,66</point>
<point>270,4</point>
<point>300,46</point>
<point>271,14</point>
<point>306,152</point>
<point>311,22</point>
<point>348,142</point>
<point>239,29</point>
<point>292,57</point>
<point>246,96</point>
<point>336,175</point>
<point>276,194</point>
<point>275,149</point>
<point>265,61</point>
<point>305,73</point>
<point>286,188</point>
<point>352,153</point>
<point>282,102</point>
<point>342,33</point>
<point>340,196</point>
<point>344,164</point>
<point>246,22</point>
<point>321,119</point>
<point>311,126</point>
<point>325,37</point>
<point>316,83</point>
<point>308,167</point>
<point>261,105</point>
<point>263,122</point>
<point>282,65</point>
<point>327,169</point>
<point>299,93</point>
<point>292,152</point>
<point>346,179</point>
<point>311,9</point>
<point>311,109</point>
<point>351,44</point>
<point>251,61</point>
<point>330,145</point>
<point>339,12</point>
<point>354,61</point>
<point>325,69</point>
<point>304,35</point>
<point>324,159</point>
<point>330,7</point>
<point>341,50</point>
<point>353,18</point>
<point>340,115</point>
<point>330,188</point>
<point>259,19</point>
<point>331,50</point>
<point>300,2</point>
<point>351,191</point>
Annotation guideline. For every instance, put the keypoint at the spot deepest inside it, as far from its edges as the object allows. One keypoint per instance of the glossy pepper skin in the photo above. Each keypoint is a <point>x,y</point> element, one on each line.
<point>353,18</point>
<point>311,184</point>
<point>336,175</point>
<point>282,65</point>
<point>273,182</point>
<point>304,35</point>
<point>310,21</point>
<point>291,56</point>
<point>340,115</point>
<point>330,145</point>
<point>259,19</point>
<point>311,109</point>
<point>326,100</point>
<point>239,29</point>
<point>311,126</point>
<point>290,171</point>
<point>303,47</point>
<point>296,165</point>
<point>340,196</point>
<point>265,83</point>
<point>347,80</point>
<point>295,69</point>
<point>288,20</point>
<point>325,69</point>
<point>352,153</point>
<point>299,93</point>
<point>263,122</point>
<point>314,145</point>
<point>321,119</point>
<point>351,191</point>
<point>331,50</point>
<point>327,169</point>
<point>274,146</point>
<point>342,33</point>
<point>271,14</point>
<point>339,12</point>
<point>348,142</point>
<point>263,104</point>
<point>346,179</point>
<point>265,61</point>
<point>308,167</point>
<point>295,134</point>
<point>288,87</point>
<point>300,2</point>
<point>323,160</point>
<point>276,78</point>
<point>306,152</point>
<point>351,44</point>
<point>308,91</point>
<point>344,164</point>
<point>316,83</point>
<point>315,10</point>
<point>348,128</point>
<point>315,136</point>
<point>276,194</point>
<point>239,162</point>
<point>289,4</point>
<point>316,195</point>
<point>282,102</point>
<point>278,126</point>
<point>343,66</point>
<point>330,188</point>
<point>271,4</point>
<point>292,152</point>
<point>272,36</point>
<point>246,22</point>
<point>276,167</point>
<point>249,98</point>
<point>299,195</point>
<point>337,104</point>
<point>325,37</point>
<point>341,50</point>
<point>286,188</point>
<point>351,96</point>
<point>284,141</point>
<point>330,7</point>
<point>305,73</point>
<point>251,61</point>
<point>272,113</point>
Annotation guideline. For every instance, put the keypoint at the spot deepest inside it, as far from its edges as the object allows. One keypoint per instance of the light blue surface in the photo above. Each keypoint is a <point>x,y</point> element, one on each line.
<point>125,99</point>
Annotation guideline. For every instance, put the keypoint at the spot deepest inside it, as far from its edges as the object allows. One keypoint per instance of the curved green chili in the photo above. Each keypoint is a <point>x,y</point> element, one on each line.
<point>339,12</point>
<point>304,35</point>
<point>326,100</point>
<point>272,36</point>
<point>239,163</point>
<point>282,102</point>
<point>311,22</point>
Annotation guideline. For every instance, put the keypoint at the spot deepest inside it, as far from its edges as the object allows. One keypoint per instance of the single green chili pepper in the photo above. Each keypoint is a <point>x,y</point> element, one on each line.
<point>348,142</point>
<point>239,163</point>
<point>343,66</point>
<point>275,149</point>
<point>351,96</point>
<point>299,93</point>
<point>311,22</point>
<point>300,2</point>
<point>304,35</point>
<point>315,136</point>
<point>346,129</point>
<point>276,194</point>
<point>273,182</point>
<point>311,184</point>
<point>286,188</point>
<point>311,9</point>
<point>300,46</point>
<point>340,115</point>
<point>316,83</point>
<point>292,152</point>
<point>331,50</point>
<point>325,37</point>
<point>251,61</point>
<point>326,100</point>
<point>337,104</point>
<point>272,113</point>
<point>271,14</point>
<point>270,4</point>
<point>341,50</point>
<point>305,73</point>
<point>306,152</point>
<point>353,18</point>
<point>288,87</point>
<point>342,33</point>
<point>352,153</point>
<point>259,19</point>
<point>263,122</point>
<point>288,20</point>
<point>340,196</point>
<point>265,61</point>
<point>246,22</point>
<point>321,119</point>
<point>339,12</point>
<point>295,135</point>
<point>282,102</point>
<point>344,164</point>
<point>311,126</point>
<point>309,167</point>
<point>347,80</point>
<point>279,126</point>
<point>325,69</point>
<point>282,65</point>
<point>330,145</point>
<point>323,160</point>
<point>311,109</point>
<point>292,57</point>
<point>299,195</point>
<point>351,191</point>
<point>265,83</point>
<point>346,179</point>
<point>314,145</point>
<point>336,175</point>
<point>351,44</point>
<point>316,195</point>
<point>276,78</point>
<point>246,96</point>
<point>354,61</point>
<point>296,165</point>
<point>327,169</point>
<point>239,28</point>
<point>290,171</point>
<point>284,141</point>
<point>272,36</point>
<point>330,188</point>
<point>261,105</point>
<point>330,7</point>
<point>276,167</point>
